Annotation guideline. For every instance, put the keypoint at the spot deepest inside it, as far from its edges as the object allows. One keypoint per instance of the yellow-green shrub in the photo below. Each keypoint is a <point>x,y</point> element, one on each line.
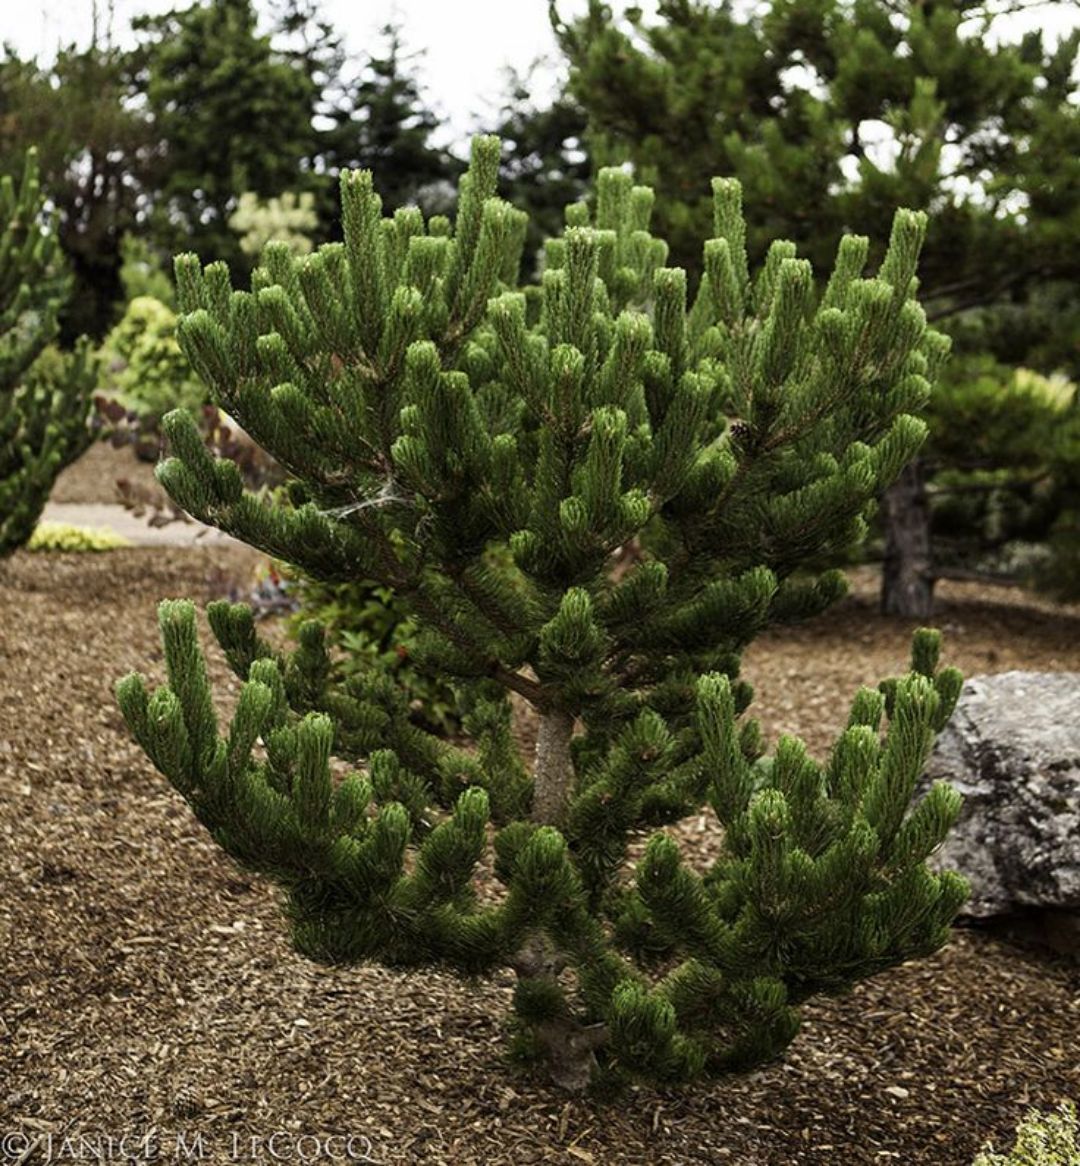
<point>146,371</point>
<point>61,536</point>
<point>1042,1139</point>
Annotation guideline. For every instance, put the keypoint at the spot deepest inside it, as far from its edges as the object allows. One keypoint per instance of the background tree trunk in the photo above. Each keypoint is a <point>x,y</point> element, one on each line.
<point>907,580</point>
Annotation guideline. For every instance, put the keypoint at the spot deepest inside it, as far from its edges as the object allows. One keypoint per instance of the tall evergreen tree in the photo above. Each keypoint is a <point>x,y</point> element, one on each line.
<point>232,113</point>
<point>369,112</point>
<point>43,413</point>
<point>375,117</point>
<point>98,159</point>
<point>830,113</point>
<point>485,453</point>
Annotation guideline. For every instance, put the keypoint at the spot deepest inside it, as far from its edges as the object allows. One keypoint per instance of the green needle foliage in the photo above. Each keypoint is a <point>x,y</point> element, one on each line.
<point>43,407</point>
<point>833,112</point>
<point>591,495</point>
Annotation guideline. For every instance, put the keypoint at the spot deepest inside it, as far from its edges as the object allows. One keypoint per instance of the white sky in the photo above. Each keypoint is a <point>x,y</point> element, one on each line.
<point>466,43</point>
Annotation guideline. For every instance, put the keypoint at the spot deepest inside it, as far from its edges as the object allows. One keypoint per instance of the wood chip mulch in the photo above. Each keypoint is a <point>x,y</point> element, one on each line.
<point>146,983</point>
<point>94,476</point>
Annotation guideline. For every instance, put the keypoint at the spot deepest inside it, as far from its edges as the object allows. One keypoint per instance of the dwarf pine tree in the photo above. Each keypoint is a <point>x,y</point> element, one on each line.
<point>43,412</point>
<point>486,452</point>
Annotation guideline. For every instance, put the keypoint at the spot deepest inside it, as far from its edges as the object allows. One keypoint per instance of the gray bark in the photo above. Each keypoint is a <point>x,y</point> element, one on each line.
<point>907,579</point>
<point>571,1051</point>
<point>569,1046</point>
<point>553,771</point>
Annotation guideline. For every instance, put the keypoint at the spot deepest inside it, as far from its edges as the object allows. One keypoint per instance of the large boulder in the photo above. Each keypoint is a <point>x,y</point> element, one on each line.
<point>1012,748</point>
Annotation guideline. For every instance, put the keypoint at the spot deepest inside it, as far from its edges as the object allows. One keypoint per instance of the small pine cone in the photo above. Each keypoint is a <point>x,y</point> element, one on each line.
<point>187,1102</point>
<point>739,433</point>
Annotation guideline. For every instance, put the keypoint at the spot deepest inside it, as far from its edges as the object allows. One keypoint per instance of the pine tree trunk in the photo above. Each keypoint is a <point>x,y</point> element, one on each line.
<point>907,581</point>
<point>553,771</point>
<point>571,1051</point>
<point>569,1046</point>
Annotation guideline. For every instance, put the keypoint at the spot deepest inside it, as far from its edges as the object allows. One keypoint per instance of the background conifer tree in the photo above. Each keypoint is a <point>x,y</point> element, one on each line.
<point>231,112</point>
<point>384,125</point>
<point>43,409</point>
<point>545,165</point>
<point>372,114</point>
<point>485,454</point>
<point>98,161</point>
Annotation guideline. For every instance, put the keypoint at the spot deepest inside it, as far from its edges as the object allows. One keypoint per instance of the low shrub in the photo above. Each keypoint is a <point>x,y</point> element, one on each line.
<point>374,634</point>
<point>143,273</point>
<point>289,219</point>
<point>146,372</point>
<point>1005,448</point>
<point>1042,1139</point>
<point>45,395</point>
<point>62,536</point>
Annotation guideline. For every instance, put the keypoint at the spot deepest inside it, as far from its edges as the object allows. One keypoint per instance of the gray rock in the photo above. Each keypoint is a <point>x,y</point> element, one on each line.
<point>1012,748</point>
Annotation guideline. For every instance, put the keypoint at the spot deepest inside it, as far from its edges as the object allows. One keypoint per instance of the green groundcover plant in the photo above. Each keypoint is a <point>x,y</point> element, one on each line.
<point>1042,1139</point>
<point>489,454</point>
<point>62,536</point>
<point>368,627</point>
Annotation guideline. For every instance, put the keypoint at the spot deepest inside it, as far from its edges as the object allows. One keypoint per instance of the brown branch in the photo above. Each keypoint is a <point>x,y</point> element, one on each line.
<point>990,295</point>
<point>531,690</point>
<point>987,487</point>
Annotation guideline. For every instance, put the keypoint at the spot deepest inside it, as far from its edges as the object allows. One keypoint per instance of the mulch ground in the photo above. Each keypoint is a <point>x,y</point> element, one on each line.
<point>93,477</point>
<point>146,983</point>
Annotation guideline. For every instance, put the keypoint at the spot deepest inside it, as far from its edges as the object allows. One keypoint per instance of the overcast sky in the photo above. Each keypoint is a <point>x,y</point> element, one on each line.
<point>467,43</point>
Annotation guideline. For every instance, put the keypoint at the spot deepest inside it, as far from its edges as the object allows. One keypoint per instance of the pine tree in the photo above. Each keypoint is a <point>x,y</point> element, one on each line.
<point>232,112</point>
<point>384,125</point>
<point>831,113</point>
<point>44,411</point>
<point>372,114</point>
<point>485,453</point>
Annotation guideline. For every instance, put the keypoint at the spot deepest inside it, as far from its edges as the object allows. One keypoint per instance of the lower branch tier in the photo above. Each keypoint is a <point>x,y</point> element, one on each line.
<point>654,970</point>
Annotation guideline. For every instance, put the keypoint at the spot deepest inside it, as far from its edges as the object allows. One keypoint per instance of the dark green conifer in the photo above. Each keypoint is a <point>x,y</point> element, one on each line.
<point>43,409</point>
<point>490,454</point>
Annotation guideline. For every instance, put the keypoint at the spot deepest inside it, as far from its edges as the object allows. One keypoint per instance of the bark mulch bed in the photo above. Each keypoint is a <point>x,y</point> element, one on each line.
<point>94,476</point>
<point>146,983</point>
